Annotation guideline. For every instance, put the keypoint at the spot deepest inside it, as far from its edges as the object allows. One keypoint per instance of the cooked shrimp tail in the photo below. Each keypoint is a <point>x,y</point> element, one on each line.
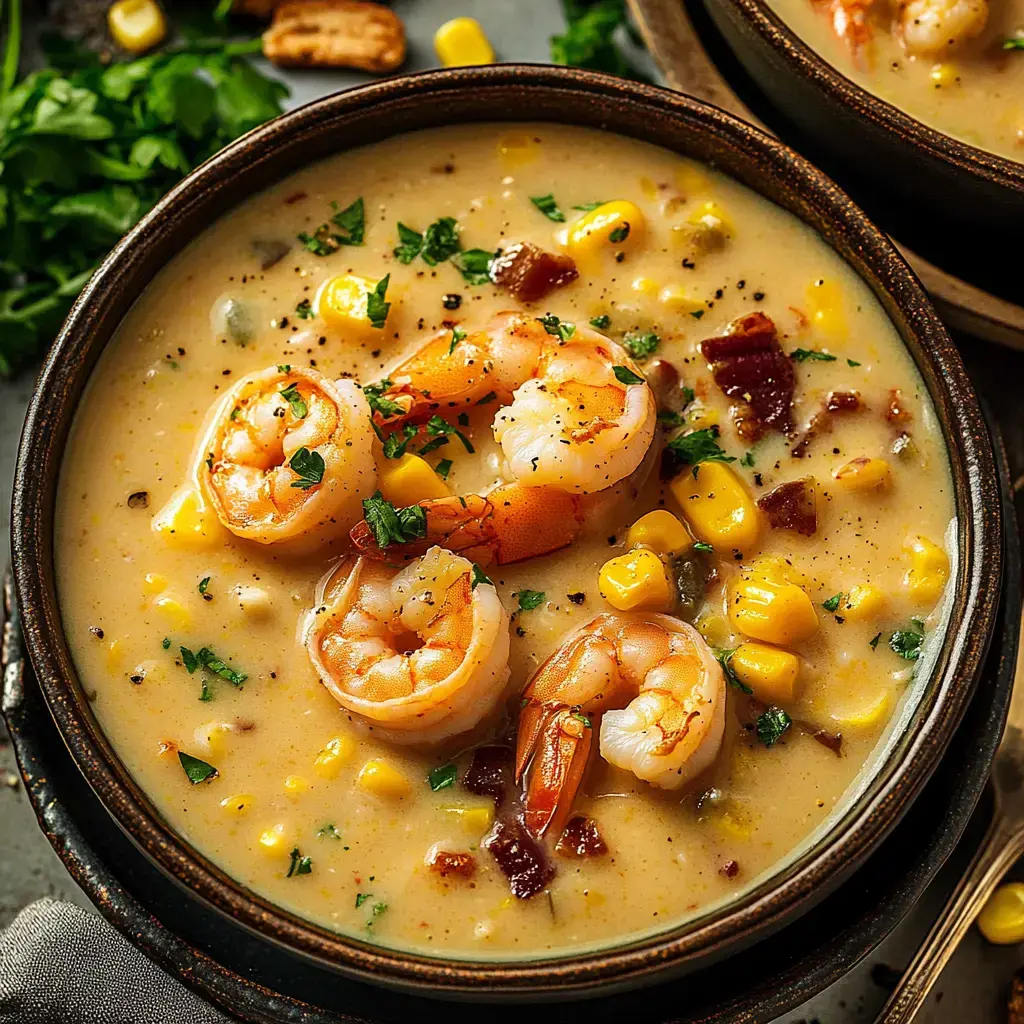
<point>851,22</point>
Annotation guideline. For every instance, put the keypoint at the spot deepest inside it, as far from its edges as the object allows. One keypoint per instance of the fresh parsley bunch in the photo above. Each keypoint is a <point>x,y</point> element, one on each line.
<point>86,149</point>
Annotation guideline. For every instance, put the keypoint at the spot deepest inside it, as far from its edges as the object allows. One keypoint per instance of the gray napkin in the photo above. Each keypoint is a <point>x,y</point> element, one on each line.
<point>60,964</point>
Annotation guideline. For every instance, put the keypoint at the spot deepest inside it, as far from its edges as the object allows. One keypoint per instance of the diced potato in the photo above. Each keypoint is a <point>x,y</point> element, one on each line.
<point>772,674</point>
<point>867,716</point>
<point>660,531</point>
<point>1001,920</point>
<point>177,615</point>
<point>136,25</point>
<point>236,805</point>
<point>380,778</point>
<point>408,480</point>
<point>255,602</point>
<point>717,507</point>
<point>929,569</point>
<point>636,581</point>
<point>186,521</point>
<point>295,785</point>
<point>335,753</point>
<point>863,602</point>
<point>614,227</point>
<point>474,820</point>
<point>864,474</point>
<point>341,304</point>
<point>462,42</point>
<point>276,841</point>
<point>776,611</point>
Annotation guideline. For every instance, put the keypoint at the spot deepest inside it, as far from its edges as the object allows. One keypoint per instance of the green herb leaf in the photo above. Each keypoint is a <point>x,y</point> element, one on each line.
<point>641,346</point>
<point>600,322</point>
<point>671,419</point>
<point>309,466</point>
<point>474,265</point>
<point>433,445</point>
<point>589,38</point>
<point>699,545</point>
<point>479,577</point>
<point>328,832</point>
<point>697,314</point>
<point>530,599</point>
<point>376,308</point>
<point>204,584</point>
<point>802,355</point>
<point>696,447</point>
<point>379,908</point>
<point>393,526</point>
<point>832,603</point>
<point>580,717</point>
<point>209,660</point>
<point>410,244</point>
<point>771,724</point>
<point>166,643</point>
<point>291,395</point>
<point>304,310</point>
<point>1014,42</point>
<point>587,207</point>
<point>619,234</point>
<point>444,467</point>
<point>300,865</point>
<point>852,362</point>
<point>457,335</point>
<point>548,206</point>
<point>443,777</point>
<point>440,241</point>
<point>906,643</point>
<point>438,426</point>
<point>281,368</point>
<point>351,223</point>
<point>362,897</point>
<point>748,459</point>
<point>873,642</point>
<point>724,658</point>
<point>196,769</point>
<point>189,660</point>
<point>386,407</point>
<point>624,375</point>
<point>557,328</point>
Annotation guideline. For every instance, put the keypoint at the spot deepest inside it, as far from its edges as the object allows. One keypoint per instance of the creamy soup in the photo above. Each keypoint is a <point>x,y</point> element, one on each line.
<point>956,65</point>
<point>340,735</point>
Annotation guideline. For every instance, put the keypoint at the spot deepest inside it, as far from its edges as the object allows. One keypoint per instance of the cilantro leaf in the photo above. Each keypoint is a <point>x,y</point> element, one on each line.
<point>300,865</point>
<point>696,447</point>
<point>600,322</point>
<point>204,584</point>
<point>548,206</point>
<point>396,442</point>
<point>641,346</point>
<point>906,643</point>
<point>362,897</point>
<point>350,222</point>
<point>304,310</point>
<point>589,38</point>
<point>438,426</point>
<point>328,831</point>
<point>1014,42</point>
<point>410,244</point>
<point>587,207</point>
<point>557,328</point>
<point>393,526</point>
<point>619,234</point>
<point>440,241</point>
<point>387,407</point>
<point>443,468</point>
<point>771,725</point>
<point>474,265</point>
<point>530,599</point>
<point>291,395</point>
<point>443,777</point>
<point>196,769</point>
<point>310,467</point>
<point>458,334</point>
<point>376,308</point>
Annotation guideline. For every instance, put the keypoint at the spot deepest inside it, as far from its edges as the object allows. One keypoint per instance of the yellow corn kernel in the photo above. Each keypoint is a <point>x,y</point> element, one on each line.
<point>461,42</point>
<point>701,416</point>
<point>825,308</point>
<point>153,583</point>
<point>863,474</point>
<point>679,300</point>
<point>1001,920</point>
<point>717,507</point>
<point>186,521</point>
<point>691,180</point>
<point>863,602</point>
<point>341,304</point>
<point>380,778</point>
<point>944,75</point>
<point>613,227</point>
<point>660,531</point>
<point>771,673</point>
<point>710,215</point>
<point>115,655</point>
<point>636,581</point>
<point>237,805</point>
<point>474,820</point>
<point>778,613</point>
<point>295,785</point>
<point>210,737</point>
<point>929,569</point>
<point>333,755</point>
<point>644,285</point>
<point>177,615</point>
<point>516,149</point>
<point>136,25</point>
<point>867,716</point>
<point>276,841</point>
<point>408,480</point>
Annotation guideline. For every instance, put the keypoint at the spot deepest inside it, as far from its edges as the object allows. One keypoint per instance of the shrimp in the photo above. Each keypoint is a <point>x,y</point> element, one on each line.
<point>577,414</point>
<point>936,27</point>
<point>651,685</point>
<point>418,655</point>
<point>287,456</point>
<point>851,22</point>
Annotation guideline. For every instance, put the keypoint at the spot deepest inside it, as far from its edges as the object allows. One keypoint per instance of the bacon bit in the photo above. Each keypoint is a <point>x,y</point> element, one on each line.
<point>530,273</point>
<point>897,412</point>
<point>843,401</point>
<point>488,775</point>
<point>446,863</point>
<point>519,856</point>
<point>730,869</point>
<point>748,364</point>
<point>832,740</point>
<point>837,401</point>
<point>581,838</point>
<point>791,506</point>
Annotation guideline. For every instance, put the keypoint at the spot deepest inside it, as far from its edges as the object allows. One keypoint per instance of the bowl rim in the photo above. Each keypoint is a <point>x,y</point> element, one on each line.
<point>630,961</point>
<point>993,168</point>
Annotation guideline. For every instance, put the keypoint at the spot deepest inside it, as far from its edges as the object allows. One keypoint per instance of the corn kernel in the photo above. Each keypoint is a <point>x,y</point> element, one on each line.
<point>474,820</point>
<point>237,805</point>
<point>679,300</point>
<point>660,531</point>
<point>770,672</point>
<point>380,778</point>
<point>867,716</point>
<point>153,583</point>
<point>701,416</point>
<point>825,308</point>
<point>461,42</point>
<point>776,612</point>
<point>174,611</point>
<point>1001,920</point>
<point>295,785</point>
<point>928,572</point>
<point>863,602</point>
<point>136,25</point>
<point>115,655</point>
<point>636,581</point>
<point>944,75</point>
<point>333,755</point>
<point>341,304</point>
<point>186,521</point>
<point>644,285</point>
<point>210,737</point>
<point>710,215</point>
<point>408,480</point>
<point>717,507</point>
<point>612,227</point>
<point>863,474</point>
<point>691,180</point>
<point>276,841</point>
<point>517,149</point>
<point>255,602</point>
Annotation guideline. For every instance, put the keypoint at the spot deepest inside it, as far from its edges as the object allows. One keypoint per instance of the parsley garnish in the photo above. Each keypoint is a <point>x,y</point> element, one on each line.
<point>548,206</point>
<point>1014,42</point>
<point>801,355</point>
<point>852,362</point>
<point>204,584</point>
<point>376,308</point>
<point>196,769</point>
<point>641,346</point>
<point>444,467</point>
<point>309,466</point>
<point>379,908</point>
<point>304,310</point>
<point>440,241</point>
<point>281,368</point>
<point>362,897</point>
<point>624,375</point>
<point>328,831</point>
<point>350,222</point>
<point>410,244</point>
<point>438,426</point>
<point>457,335</point>
<point>771,724</point>
<point>378,403</point>
<point>474,265</point>
<point>696,447</point>
<point>480,577</point>
<point>748,459</point>
<point>300,865</point>
<point>556,328</point>
<point>205,658</point>
<point>832,603</point>
<point>587,207</point>
<point>873,642</point>
<point>530,599</point>
<point>291,395</point>
<point>393,526</point>
<point>907,643</point>
<point>396,442</point>
<point>699,545</point>
<point>724,658</point>
<point>166,643</point>
<point>600,322</point>
<point>443,777</point>
<point>697,314</point>
<point>580,717</point>
<point>619,234</point>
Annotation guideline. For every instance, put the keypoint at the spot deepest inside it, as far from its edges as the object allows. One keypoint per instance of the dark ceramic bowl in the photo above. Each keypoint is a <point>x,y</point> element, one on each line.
<point>523,93</point>
<point>893,154</point>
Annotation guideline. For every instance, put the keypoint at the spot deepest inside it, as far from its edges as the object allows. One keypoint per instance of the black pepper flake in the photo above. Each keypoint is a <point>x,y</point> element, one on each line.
<point>137,677</point>
<point>758,296</point>
<point>577,598</point>
<point>96,632</point>
<point>520,631</point>
<point>451,301</point>
<point>611,539</point>
<point>619,257</point>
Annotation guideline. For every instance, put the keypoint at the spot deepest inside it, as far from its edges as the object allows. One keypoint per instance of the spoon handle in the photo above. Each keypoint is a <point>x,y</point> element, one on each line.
<point>1001,846</point>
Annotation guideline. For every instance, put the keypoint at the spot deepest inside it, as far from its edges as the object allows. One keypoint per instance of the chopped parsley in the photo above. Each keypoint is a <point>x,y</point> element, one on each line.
<point>376,308</point>
<point>434,444</point>
<point>304,311</point>
<point>281,368</point>
<point>641,346</point>
<point>748,459</point>
<point>587,207</point>
<point>457,335</point>
<point>300,865</point>
<point>907,643</point>
<point>474,265</point>
<point>832,603</point>
<point>697,314</point>
<point>291,395</point>
<point>397,441</point>
<point>1014,42</point>
<point>624,375</point>
<point>393,526</point>
<point>852,362</point>
<point>696,447</point>
<point>350,222</point>
<point>196,769</point>
<point>440,241</point>
<point>379,908</point>
<point>309,466</point>
<point>378,403</point>
<point>206,658</point>
<point>530,599</point>
<point>724,658</point>
<point>410,244</point>
<point>443,777</point>
<point>802,355</point>
<point>771,724</point>
<point>671,419</point>
<point>619,234</point>
<point>600,322</point>
<point>556,328</point>
<point>548,206</point>
<point>873,642</point>
<point>438,426</point>
<point>204,584</point>
<point>328,832</point>
<point>580,717</point>
<point>699,545</point>
<point>479,576</point>
<point>166,643</point>
<point>362,897</point>
<point>444,467</point>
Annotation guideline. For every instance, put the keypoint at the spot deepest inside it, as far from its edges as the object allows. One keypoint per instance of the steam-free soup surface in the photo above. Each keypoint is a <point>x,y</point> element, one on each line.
<point>293,812</point>
<point>958,67</point>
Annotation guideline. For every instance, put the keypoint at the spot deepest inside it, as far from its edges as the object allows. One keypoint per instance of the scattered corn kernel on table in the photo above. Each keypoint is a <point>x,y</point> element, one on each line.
<point>974,985</point>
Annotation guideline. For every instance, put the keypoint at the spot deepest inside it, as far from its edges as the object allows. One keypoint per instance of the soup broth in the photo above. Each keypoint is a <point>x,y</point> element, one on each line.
<point>357,829</point>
